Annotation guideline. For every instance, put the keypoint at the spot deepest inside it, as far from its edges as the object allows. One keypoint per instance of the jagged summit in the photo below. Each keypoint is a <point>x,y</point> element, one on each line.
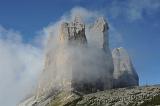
<point>98,34</point>
<point>73,31</point>
<point>101,25</point>
<point>85,68</point>
<point>82,62</point>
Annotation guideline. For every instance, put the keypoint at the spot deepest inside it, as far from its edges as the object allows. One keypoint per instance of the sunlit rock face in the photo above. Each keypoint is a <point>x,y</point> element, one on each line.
<point>60,58</point>
<point>94,70</point>
<point>78,63</point>
<point>73,32</point>
<point>97,59</point>
<point>124,73</point>
<point>78,58</point>
<point>81,60</point>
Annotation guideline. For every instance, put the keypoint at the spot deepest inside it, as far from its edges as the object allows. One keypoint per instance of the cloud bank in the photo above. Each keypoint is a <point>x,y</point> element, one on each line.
<point>20,64</point>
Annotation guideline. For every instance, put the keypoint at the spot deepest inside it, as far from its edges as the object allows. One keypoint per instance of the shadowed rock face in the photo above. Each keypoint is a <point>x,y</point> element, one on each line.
<point>124,73</point>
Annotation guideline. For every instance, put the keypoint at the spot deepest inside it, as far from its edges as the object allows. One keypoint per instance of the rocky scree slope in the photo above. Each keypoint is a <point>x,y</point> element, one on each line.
<point>135,96</point>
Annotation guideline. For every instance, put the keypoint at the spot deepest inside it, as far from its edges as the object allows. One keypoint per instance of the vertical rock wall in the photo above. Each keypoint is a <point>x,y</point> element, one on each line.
<point>82,61</point>
<point>124,73</point>
<point>75,63</point>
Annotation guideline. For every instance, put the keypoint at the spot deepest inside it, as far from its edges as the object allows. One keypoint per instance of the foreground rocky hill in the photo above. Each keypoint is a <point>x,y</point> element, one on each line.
<point>135,96</point>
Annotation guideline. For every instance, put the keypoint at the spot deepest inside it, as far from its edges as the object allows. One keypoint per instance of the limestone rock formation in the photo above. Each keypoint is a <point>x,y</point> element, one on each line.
<point>124,73</point>
<point>57,73</point>
<point>75,63</point>
<point>97,70</point>
<point>98,34</point>
<point>73,31</point>
<point>80,62</point>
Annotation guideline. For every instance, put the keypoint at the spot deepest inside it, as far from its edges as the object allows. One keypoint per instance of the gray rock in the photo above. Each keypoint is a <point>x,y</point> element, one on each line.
<point>141,96</point>
<point>97,70</point>
<point>57,73</point>
<point>77,64</point>
<point>73,32</point>
<point>136,96</point>
<point>81,62</point>
<point>97,34</point>
<point>124,73</point>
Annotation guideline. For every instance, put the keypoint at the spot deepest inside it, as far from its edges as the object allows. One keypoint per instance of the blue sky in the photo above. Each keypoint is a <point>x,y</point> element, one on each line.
<point>137,22</point>
<point>134,25</point>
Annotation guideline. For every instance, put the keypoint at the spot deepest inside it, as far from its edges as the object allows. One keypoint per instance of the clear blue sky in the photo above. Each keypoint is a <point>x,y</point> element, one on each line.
<point>137,21</point>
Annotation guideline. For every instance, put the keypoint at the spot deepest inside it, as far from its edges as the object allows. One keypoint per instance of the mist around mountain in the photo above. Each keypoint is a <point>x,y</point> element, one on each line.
<point>80,69</point>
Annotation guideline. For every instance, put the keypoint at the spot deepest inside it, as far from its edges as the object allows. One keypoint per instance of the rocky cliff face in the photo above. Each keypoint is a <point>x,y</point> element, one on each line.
<point>73,32</point>
<point>97,70</point>
<point>57,73</point>
<point>98,34</point>
<point>80,63</point>
<point>124,73</point>
<point>77,64</point>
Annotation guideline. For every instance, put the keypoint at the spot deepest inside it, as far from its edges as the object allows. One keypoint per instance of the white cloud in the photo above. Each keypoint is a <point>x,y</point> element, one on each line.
<point>20,65</point>
<point>63,60</point>
<point>88,16</point>
<point>133,9</point>
<point>85,14</point>
<point>136,8</point>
